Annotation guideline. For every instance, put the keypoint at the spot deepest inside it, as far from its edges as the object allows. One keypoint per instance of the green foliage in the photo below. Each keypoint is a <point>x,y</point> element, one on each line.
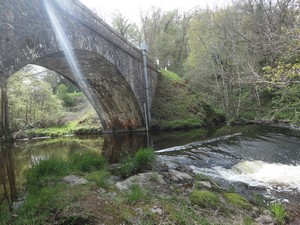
<point>176,106</point>
<point>127,166</point>
<point>87,161</point>
<point>237,200</point>
<point>99,177</point>
<point>171,75</point>
<point>279,213</point>
<point>32,102</point>
<point>204,198</point>
<point>135,194</point>
<point>143,159</point>
<point>46,170</point>
<point>249,221</point>
<point>70,99</point>
<point>4,213</point>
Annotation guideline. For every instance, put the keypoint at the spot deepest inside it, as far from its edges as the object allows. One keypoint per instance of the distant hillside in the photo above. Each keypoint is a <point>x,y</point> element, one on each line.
<point>176,106</point>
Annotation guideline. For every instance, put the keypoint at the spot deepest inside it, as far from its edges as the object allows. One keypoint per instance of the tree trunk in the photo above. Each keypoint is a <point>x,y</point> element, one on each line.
<point>5,132</point>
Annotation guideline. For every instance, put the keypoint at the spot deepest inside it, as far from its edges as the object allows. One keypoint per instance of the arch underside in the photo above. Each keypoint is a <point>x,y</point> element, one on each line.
<point>104,86</point>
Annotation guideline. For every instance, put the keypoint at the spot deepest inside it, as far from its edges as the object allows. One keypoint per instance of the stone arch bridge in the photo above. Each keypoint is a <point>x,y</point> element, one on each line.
<point>68,38</point>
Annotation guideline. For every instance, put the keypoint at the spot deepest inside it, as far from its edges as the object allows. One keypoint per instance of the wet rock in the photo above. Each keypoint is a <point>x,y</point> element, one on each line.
<point>75,180</point>
<point>178,176</point>
<point>145,180</point>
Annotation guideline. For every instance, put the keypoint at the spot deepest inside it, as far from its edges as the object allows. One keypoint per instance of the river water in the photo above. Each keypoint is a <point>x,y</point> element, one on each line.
<point>252,159</point>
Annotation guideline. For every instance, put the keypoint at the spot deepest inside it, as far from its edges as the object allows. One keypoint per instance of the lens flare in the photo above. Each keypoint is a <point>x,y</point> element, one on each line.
<point>66,46</point>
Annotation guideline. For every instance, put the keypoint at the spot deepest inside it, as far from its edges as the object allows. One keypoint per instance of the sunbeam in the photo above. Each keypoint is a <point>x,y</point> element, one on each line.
<point>67,47</point>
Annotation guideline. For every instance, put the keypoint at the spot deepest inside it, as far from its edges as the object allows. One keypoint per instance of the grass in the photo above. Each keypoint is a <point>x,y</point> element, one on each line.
<point>176,106</point>
<point>171,76</point>
<point>87,161</point>
<point>99,177</point>
<point>86,124</point>
<point>135,194</point>
<point>142,160</point>
<point>279,213</point>
<point>205,199</point>
<point>237,200</point>
<point>4,212</point>
<point>47,170</point>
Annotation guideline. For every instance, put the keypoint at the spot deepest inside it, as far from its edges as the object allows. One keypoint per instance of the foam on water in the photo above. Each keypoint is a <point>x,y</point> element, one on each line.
<point>258,173</point>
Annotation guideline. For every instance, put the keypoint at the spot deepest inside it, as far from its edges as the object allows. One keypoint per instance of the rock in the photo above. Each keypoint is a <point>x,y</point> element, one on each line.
<point>157,210</point>
<point>205,184</point>
<point>75,180</point>
<point>145,180</point>
<point>139,211</point>
<point>112,195</point>
<point>177,176</point>
<point>265,218</point>
<point>100,191</point>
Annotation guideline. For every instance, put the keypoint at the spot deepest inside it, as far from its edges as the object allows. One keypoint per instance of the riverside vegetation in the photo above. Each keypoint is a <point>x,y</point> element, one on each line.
<point>153,196</point>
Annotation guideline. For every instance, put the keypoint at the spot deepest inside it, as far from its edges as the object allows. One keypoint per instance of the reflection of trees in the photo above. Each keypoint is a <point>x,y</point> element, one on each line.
<point>7,174</point>
<point>116,146</point>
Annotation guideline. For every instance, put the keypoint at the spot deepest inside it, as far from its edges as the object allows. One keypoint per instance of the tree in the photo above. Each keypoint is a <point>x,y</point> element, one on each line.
<point>129,31</point>
<point>32,102</point>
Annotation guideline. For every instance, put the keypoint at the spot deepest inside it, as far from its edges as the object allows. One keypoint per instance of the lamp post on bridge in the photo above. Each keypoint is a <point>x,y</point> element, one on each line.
<point>144,50</point>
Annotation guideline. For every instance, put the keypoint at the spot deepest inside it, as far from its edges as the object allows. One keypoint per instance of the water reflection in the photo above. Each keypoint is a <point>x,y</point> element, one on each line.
<point>119,145</point>
<point>8,191</point>
<point>273,145</point>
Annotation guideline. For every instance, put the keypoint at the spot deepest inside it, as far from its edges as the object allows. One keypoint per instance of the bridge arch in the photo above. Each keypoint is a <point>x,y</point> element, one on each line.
<point>111,68</point>
<point>108,91</point>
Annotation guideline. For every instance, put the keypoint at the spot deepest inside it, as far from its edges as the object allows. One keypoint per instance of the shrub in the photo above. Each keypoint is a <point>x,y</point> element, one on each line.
<point>237,200</point>
<point>204,198</point>
<point>45,170</point>
<point>88,161</point>
<point>279,213</point>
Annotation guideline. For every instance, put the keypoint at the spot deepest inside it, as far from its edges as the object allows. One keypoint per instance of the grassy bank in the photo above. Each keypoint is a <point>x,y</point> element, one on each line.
<point>83,123</point>
<point>176,106</point>
<point>198,200</point>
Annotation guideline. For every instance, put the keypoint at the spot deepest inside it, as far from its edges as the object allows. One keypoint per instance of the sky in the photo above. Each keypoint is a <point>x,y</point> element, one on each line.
<point>132,8</point>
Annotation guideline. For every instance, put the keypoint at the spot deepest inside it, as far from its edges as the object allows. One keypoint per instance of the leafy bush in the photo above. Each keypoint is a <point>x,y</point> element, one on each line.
<point>279,213</point>
<point>45,170</point>
<point>88,161</point>
<point>204,198</point>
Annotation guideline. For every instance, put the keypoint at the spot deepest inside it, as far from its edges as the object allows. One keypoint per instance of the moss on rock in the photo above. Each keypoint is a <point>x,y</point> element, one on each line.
<point>237,200</point>
<point>204,198</point>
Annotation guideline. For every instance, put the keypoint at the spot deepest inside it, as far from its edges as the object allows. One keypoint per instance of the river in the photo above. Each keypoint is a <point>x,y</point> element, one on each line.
<point>252,159</point>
